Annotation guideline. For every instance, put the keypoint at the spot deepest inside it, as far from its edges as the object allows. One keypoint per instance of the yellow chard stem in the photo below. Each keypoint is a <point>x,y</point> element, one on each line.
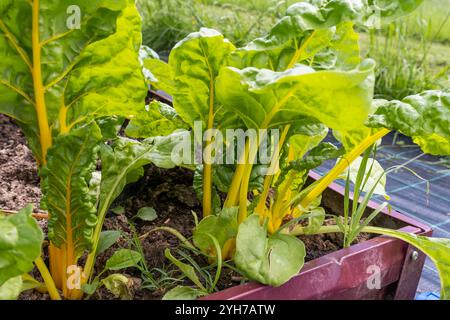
<point>243,193</point>
<point>207,190</point>
<point>45,136</point>
<point>341,167</point>
<point>207,167</point>
<point>233,194</point>
<point>48,280</point>
<point>300,51</point>
<point>269,178</point>
<point>207,172</point>
<point>41,110</point>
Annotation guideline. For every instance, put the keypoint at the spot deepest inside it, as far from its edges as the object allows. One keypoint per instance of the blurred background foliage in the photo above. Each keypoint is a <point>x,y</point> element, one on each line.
<point>412,53</point>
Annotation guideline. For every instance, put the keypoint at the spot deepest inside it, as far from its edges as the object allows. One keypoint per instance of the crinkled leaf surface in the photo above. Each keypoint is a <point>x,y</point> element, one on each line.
<point>122,163</point>
<point>159,74</point>
<point>173,150</point>
<point>424,117</point>
<point>266,99</point>
<point>315,14</point>
<point>145,54</point>
<point>305,137</point>
<point>272,260</point>
<point>20,244</point>
<point>119,285</point>
<point>318,155</point>
<point>293,176</point>
<point>196,62</point>
<point>98,74</point>
<point>71,162</point>
<point>194,65</point>
<point>159,119</point>
<point>319,27</point>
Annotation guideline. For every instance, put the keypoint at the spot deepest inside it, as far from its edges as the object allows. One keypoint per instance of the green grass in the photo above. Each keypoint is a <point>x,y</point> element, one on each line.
<point>408,61</point>
<point>434,16</point>
<point>412,53</point>
<point>168,21</point>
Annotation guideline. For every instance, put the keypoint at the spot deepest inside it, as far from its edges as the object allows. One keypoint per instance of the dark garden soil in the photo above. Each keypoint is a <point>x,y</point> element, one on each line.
<point>19,184</point>
<point>169,192</point>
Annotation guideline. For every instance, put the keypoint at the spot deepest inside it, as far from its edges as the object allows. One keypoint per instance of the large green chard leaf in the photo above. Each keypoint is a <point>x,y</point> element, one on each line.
<point>352,138</point>
<point>266,99</point>
<point>294,174</point>
<point>172,150</point>
<point>122,164</point>
<point>20,244</point>
<point>159,74</point>
<point>146,54</point>
<point>331,48</point>
<point>66,188</point>
<point>315,14</point>
<point>159,119</point>
<point>305,136</point>
<point>272,260</point>
<point>424,117</point>
<point>322,28</point>
<point>342,53</point>
<point>436,249</point>
<point>194,64</point>
<point>108,79</point>
<point>86,72</point>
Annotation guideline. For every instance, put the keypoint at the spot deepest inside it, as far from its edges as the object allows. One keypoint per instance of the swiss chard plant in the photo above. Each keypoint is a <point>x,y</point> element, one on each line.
<point>69,75</point>
<point>305,79</point>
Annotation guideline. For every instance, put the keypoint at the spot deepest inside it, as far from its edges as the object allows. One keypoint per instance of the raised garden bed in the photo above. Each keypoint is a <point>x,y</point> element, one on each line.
<point>259,220</point>
<point>346,270</point>
<point>347,273</point>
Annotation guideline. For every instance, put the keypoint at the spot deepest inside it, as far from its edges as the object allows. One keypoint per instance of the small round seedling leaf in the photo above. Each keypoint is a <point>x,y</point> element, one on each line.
<point>183,293</point>
<point>90,288</point>
<point>107,239</point>
<point>146,214</point>
<point>118,210</point>
<point>122,259</point>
